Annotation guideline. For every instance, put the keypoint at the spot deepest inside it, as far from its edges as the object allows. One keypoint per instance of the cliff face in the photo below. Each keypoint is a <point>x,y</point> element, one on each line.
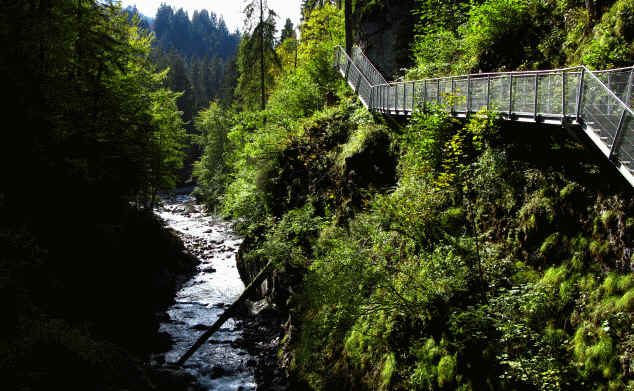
<point>384,32</point>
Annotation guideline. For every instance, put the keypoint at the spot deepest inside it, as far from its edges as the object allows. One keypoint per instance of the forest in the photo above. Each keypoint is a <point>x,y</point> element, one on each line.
<point>420,253</point>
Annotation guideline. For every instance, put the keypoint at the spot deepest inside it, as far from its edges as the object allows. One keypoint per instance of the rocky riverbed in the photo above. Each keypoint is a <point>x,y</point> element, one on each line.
<point>242,354</point>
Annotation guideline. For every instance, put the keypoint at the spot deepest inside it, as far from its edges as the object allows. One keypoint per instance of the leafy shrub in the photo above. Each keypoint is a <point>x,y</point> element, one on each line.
<point>611,43</point>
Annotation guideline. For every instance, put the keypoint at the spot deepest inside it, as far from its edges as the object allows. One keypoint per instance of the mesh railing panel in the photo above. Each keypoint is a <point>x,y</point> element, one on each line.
<point>617,80</point>
<point>625,146</point>
<point>600,100</point>
<point>549,94</point>
<point>600,109</point>
<point>478,90</point>
<point>499,94</point>
<point>460,94</point>
<point>373,75</point>
<point>353,75</point>
<point>545,94</point>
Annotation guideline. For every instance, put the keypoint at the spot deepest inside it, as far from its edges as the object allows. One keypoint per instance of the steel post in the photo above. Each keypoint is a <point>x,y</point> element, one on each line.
<point>438,91</point>
<point>618,135</point>
<point>563,96</point>
<point>468,94</point>
<point>627,98</point>
<point>535,97</point>
<point>488,92</point>
<point>510,96</point>
<point>579,92</point>
<point>453,94</point>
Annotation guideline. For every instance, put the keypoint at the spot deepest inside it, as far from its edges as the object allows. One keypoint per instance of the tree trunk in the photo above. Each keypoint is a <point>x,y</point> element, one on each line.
<point>348,20</point>
<point>263,97</point>
<point>591,8</point>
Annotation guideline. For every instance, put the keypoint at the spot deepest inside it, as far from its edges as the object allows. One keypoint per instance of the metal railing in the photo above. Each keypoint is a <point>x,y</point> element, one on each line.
<point>354,76</point>
<point>367,67</point>
<point>598,101</point>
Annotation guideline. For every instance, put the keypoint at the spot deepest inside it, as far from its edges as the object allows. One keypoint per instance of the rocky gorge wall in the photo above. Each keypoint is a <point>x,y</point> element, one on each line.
<point>384,31</point>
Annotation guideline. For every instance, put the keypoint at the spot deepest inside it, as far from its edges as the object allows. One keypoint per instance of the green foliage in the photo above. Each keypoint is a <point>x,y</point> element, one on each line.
<point>536,214</point>
<point>427,354</point>
<point>389,366</point>
<point>478,268</point>
<point>425,137</point>
<point>460,37</point>
<point>610,45</point>
<point>289,243</point>
<point>298,96</point>
<point>256,55</point>
<point>446,371</point>
<point>100,117</point>
<point>435,52</point>
<point>212,170</point>
<point>491,35</point>
<point>322,31</point>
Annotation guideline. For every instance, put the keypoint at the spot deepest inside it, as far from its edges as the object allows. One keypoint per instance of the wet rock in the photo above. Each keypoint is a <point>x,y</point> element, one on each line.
<point>218,371</point>
<point>219,342</point>
<point>208,269</point>
<point>157,359</point>
<point>237,343</point>
<point>173,379</point>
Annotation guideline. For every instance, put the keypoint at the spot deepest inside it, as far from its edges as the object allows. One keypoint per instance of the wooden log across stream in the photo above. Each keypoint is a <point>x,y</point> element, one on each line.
<point>227,314</point>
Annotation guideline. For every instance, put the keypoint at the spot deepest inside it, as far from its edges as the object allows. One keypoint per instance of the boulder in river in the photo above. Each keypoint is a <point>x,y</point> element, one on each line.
<point>218,371</point>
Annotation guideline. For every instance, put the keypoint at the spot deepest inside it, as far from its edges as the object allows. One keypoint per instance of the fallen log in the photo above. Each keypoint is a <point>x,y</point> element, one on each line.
<point>227,314</point>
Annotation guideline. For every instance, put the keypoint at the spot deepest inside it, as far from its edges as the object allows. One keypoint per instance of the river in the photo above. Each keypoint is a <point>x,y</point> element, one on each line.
<point>220,364</point>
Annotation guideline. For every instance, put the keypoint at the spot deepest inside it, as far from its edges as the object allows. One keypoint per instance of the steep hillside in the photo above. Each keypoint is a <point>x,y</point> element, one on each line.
<point>436,253</point>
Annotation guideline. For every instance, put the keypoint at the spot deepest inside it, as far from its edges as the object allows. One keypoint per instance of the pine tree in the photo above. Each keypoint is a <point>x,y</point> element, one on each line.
<point>178,80</point>
<point>257,47</point>
<point>288,31</point>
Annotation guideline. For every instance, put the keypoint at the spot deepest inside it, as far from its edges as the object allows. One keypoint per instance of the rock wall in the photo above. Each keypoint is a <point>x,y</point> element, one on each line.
<point>385,32</point>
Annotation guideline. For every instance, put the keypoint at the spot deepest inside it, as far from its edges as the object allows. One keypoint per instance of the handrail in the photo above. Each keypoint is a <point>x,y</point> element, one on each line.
<point>365,98</point>
<point>354,65</point>
<point>609,91</point>
<point>364,58</point>
<point>613,69</point>
<point>514,73</point>
<point>485,74</point>
<point>573,95</point>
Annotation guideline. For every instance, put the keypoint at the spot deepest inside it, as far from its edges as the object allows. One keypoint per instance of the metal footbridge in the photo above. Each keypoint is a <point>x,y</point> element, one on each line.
<point>599,102</point>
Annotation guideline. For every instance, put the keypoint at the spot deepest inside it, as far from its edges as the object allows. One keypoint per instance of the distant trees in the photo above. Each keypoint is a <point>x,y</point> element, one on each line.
<point>288,47</point>
<point>288,31</point>
<point>206,35</point>
<point>199,53</point>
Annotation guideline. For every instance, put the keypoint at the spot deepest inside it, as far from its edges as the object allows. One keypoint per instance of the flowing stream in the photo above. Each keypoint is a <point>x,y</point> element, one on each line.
<point>219,364</point>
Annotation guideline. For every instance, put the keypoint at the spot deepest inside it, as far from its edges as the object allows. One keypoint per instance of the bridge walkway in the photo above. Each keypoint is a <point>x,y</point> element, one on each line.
<point>599,102</point>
